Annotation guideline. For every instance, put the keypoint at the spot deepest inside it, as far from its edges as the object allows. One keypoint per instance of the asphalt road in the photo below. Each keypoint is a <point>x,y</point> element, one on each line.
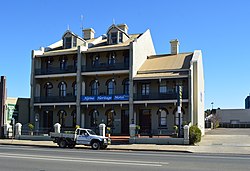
<point>22,158</point>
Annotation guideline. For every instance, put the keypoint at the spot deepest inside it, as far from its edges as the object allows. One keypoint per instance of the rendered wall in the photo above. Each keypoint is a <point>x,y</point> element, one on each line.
<point>142,48</point>
<point>198,91</point>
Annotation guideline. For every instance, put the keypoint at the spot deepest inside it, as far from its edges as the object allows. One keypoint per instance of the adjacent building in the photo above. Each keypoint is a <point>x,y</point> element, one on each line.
<point>247,102</point>
<point>233,118</point>
<point>116,79</point>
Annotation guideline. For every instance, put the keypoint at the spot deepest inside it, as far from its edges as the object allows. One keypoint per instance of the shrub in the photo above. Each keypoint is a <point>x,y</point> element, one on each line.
<point>31,126</point>
<point>194,134</point>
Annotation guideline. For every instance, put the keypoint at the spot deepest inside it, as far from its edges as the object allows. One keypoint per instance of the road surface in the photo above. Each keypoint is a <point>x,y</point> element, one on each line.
<point>23,158</point>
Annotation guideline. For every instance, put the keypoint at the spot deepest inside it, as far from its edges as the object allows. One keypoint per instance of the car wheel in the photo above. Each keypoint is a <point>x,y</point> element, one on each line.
<point>62,144</point>
<point>95,145</point>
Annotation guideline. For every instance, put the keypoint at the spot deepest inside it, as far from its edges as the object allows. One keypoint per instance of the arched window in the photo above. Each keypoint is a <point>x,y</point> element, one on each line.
<point>110,87</point>
<point>62,89</point>
<point>73,114</point>
<point>176,116</point>
<point>125,86</point>
<point>74,86</point>
<point>110,118</point>
<point>61,117</point>
<point>162,114</point>
<point>111,58</point>
<point>93,117</point>
<point>48,89</point>
<point>94,87</point>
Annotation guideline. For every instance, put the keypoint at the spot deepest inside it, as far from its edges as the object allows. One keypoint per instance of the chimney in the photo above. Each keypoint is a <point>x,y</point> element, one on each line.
<point>88,33</point>
<point>174,46</point>
<point>124,27</point>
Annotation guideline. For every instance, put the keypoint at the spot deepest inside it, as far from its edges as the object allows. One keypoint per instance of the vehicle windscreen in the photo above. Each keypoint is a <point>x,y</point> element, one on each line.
<point>91,132</point>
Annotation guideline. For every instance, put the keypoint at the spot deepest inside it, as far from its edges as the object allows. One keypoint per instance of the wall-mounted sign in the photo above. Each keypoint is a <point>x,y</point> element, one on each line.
<point>103,98</point>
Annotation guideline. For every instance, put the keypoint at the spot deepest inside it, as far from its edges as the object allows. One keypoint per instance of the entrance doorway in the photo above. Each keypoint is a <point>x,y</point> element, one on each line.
<point>145,121</point>
<point>125,122</point>
<point>47,121</point>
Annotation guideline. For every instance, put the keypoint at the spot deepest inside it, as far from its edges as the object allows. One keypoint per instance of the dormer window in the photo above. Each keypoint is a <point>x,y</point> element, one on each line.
<point>114,38</point>
<point>67,42</point>
<point>74,41</point>
<point>120,37</point>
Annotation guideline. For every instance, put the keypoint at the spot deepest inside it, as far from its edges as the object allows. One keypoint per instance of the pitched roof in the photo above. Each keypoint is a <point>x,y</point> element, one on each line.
<point>168,65</point>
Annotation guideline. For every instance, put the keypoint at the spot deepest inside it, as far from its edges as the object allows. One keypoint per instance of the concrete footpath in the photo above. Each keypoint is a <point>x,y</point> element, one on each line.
<point>219,141</point>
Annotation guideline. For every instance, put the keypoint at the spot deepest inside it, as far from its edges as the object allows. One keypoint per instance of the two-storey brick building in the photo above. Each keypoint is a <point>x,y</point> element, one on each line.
<point>116,79</point>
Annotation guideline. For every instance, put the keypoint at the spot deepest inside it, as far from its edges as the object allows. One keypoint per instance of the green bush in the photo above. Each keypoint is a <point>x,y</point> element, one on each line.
<point>194,134</point>
<point>31,126</point>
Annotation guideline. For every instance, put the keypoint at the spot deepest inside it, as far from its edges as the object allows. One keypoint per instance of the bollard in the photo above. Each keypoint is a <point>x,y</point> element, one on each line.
<point>132,130</point>
<point>102,128</point>
<point>18,131</point>
<point>186,134</point>
<point>57,128</point>
<point>7,127</point>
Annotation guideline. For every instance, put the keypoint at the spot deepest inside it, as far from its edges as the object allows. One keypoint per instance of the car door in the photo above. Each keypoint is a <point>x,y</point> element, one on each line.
<point>82,137</point>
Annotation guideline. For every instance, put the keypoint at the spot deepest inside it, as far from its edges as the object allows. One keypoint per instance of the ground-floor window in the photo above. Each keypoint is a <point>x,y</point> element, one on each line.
<point>110,118</point>
<point>61,116</point>
<point>93,117</point>
<point>162,114</point>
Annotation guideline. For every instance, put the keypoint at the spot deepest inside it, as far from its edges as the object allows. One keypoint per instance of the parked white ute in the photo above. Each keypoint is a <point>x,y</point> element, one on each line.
<point>81,137</point>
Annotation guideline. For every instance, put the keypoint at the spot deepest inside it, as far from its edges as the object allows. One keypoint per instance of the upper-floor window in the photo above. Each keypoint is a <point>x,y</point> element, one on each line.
<point>74,86</point>
<point>120,37</point>
<point>126,58</point>
<point>48,63</point>
<point>111,87</point>
<point>113,37</point>
<point>67,42</point>
<point>63,63</point>
<point>145,89</point>
<point>126,86</point>
<point>62,89</point>
<point>111,58</point>
<point>95,60</point>
<point>48,89</point>
<point>163,87</point>
<point>74,41</point>
<point>75,62</point>
<point>94,87</point>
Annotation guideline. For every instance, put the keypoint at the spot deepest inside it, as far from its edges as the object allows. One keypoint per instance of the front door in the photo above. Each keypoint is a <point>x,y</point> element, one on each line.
<point>47,121</point>
<point>145,121</point>
<point>125,122</point>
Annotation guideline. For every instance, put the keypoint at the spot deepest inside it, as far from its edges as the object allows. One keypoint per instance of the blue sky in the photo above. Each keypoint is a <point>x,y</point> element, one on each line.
<point>219,28</point>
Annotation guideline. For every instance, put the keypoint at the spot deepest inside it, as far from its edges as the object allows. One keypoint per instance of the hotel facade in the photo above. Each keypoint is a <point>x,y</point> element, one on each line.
<point>116,79</point>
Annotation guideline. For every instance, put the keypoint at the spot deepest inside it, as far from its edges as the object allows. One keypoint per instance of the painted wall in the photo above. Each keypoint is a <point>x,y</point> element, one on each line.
<point>198,91</point>
<point>228,115</point>
<point>142,48</point>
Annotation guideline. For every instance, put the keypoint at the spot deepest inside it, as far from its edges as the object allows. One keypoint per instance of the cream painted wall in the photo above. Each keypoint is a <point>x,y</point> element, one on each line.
<point>198,88</point>
<point>142,48</point>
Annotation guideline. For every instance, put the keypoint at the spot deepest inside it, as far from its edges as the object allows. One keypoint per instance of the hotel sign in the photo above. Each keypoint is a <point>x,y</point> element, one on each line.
<point>105,98</point>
